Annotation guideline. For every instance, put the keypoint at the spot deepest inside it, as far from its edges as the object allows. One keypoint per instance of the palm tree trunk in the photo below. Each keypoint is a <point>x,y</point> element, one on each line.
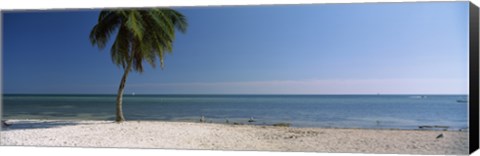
<point>121,88</point>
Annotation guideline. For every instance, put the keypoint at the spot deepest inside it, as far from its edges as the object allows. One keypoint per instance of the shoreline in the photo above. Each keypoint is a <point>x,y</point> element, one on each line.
<point>270,124</point>
<point>236,124</point>
<point>218,136</point>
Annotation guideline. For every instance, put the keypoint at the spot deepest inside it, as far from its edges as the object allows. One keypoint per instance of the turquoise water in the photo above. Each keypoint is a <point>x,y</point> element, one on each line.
<point>343,111</point>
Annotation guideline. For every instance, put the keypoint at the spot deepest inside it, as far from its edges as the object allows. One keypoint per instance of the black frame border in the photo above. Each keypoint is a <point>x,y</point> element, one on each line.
<point>474,77</point>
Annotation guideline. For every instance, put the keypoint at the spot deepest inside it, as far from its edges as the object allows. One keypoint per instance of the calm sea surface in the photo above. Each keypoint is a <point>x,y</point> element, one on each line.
<point>344,111</point>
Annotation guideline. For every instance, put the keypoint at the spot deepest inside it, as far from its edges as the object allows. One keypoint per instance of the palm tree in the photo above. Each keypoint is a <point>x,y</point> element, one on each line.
<point>142,35</point>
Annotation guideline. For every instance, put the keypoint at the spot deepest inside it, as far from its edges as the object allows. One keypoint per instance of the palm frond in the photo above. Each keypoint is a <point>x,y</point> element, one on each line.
<point>142,36</point>
<point>162,24</point>
<point>102,31</point>
<point>135,24</point>
<point>121,48</point>
<point>178,20</point>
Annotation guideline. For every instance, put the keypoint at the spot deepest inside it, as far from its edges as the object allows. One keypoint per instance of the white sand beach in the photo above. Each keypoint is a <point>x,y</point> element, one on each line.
<point>188,135</point>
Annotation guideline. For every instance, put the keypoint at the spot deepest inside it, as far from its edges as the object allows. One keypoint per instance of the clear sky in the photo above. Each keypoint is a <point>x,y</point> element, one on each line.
<point>387,48</point>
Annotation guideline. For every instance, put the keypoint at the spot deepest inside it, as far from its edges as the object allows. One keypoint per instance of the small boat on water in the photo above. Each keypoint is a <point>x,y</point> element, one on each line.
<point>419,97</point>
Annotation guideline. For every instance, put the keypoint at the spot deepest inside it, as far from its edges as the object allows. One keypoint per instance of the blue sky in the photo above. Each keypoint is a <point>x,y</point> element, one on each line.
<point>388,48</point>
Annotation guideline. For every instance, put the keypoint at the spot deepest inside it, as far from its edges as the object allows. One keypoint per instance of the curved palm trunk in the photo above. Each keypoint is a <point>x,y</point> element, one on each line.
<point>121,88</point>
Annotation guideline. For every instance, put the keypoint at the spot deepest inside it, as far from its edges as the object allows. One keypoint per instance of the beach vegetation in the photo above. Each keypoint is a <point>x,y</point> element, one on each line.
<point>281,124</point>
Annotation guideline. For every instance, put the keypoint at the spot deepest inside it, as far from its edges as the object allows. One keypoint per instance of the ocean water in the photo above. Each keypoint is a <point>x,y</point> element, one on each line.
<point>342,111</point>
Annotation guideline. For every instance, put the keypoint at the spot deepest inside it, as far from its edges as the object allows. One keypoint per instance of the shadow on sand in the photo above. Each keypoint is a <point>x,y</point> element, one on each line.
<point>22,125</point>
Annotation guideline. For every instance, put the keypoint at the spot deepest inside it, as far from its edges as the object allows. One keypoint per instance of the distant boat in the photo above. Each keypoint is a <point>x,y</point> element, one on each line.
<point>419,97</point>
<point>133,94</point>
<point>462,101</point>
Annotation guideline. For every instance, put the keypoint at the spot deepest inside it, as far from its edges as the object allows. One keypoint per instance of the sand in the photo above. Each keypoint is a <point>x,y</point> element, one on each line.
<point>189,135</point>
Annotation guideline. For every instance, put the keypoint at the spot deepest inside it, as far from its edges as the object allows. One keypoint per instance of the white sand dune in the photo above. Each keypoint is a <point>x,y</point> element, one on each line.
<point>185,135</point>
